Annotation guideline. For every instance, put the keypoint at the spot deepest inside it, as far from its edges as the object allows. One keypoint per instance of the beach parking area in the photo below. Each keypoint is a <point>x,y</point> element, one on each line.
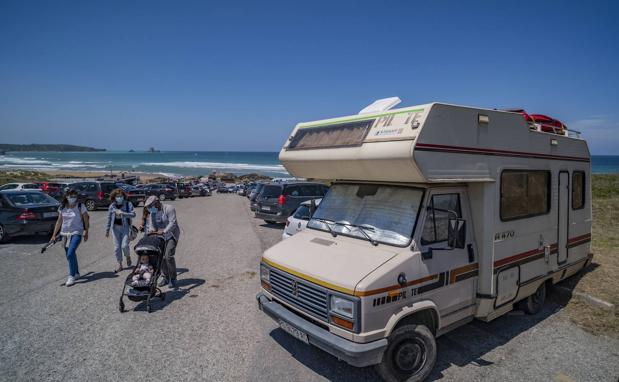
<point>211,330</point>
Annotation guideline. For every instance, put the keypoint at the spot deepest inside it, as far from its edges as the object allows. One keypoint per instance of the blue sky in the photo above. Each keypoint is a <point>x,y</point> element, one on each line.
<point>239,75</point>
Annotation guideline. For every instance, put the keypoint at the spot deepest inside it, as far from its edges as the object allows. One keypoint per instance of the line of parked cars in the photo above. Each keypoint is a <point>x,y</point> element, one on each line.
<point>291,203</point>
<point>32,208</point>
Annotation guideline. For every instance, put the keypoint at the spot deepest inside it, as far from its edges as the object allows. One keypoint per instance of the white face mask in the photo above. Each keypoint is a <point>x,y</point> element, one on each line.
<point>71,200</point>
<point>120,200</point>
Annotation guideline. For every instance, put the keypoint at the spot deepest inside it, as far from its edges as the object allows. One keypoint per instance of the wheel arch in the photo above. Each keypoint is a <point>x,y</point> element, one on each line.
<point>425,312</point>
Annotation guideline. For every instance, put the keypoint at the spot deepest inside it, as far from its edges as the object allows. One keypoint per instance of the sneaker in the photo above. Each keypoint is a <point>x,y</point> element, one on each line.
<point>163,282</point>
<point>70,281</point>
<point>172,283</point>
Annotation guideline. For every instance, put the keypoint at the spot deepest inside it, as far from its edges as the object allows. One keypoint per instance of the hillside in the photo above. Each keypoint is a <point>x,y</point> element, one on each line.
<point>52,147</point>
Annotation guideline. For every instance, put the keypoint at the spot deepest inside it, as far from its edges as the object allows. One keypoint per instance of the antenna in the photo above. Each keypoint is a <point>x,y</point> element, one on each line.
<point>382,104</point>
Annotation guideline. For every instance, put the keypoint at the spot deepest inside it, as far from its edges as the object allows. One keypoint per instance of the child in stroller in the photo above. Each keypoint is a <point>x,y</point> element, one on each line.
<point>143,272</point>
<point>150,250</point>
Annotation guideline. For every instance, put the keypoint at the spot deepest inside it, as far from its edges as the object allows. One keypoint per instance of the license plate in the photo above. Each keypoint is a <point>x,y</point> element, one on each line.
<point>266,208</point>
<point>296,333</point>
<point>50,214</point>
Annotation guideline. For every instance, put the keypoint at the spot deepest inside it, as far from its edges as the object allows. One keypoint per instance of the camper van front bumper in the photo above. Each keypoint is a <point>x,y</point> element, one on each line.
<point>355,354</point>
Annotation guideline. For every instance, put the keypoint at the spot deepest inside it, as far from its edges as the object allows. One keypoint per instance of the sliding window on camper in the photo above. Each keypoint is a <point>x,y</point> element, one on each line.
<point>524,194</point>
<point>331,136</point>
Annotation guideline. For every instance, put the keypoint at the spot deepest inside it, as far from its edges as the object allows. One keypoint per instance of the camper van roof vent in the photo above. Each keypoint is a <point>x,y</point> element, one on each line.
<point>379,105</point>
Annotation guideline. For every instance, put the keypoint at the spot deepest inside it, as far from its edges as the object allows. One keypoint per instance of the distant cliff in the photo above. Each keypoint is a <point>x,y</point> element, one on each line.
<point>36,147</point>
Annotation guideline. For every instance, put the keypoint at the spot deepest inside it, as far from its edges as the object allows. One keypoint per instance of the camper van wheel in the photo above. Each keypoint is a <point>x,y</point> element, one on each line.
<point>410,355</point>
<point>535,302</point>
<point>121,306</point>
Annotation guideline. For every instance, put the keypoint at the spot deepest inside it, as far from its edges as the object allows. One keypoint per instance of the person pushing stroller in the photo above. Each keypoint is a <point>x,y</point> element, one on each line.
<point>159,218</point>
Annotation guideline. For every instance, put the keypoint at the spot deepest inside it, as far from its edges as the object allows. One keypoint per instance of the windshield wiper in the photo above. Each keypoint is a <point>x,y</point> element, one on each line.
<point>326,223</point>
<point>361,228</point>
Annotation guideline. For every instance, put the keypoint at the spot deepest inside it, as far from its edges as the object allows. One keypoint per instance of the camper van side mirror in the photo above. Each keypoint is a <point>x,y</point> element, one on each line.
<point>456,233</point>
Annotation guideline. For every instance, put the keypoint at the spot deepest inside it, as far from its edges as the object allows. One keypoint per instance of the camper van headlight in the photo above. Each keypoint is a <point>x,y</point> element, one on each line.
<point>265,274</point>
<point>342,306</point>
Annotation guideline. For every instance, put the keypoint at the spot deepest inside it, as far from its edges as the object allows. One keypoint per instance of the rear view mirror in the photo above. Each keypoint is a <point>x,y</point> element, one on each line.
<point>456,233</point>
<point>312,208</point>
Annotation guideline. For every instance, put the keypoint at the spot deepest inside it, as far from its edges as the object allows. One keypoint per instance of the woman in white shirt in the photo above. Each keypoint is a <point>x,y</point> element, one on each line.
<point>73,226</point>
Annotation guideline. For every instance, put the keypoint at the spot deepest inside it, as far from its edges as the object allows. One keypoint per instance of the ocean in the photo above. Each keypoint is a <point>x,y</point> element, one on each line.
<point>182,163</point>
<point>179,163</point>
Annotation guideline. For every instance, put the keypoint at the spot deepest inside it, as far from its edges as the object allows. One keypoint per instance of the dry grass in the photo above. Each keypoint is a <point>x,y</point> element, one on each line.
<point>602,279</point>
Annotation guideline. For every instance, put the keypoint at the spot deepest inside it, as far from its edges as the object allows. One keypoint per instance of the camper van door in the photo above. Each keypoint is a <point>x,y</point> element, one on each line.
<point>564,197</point>
<point>455,268</point>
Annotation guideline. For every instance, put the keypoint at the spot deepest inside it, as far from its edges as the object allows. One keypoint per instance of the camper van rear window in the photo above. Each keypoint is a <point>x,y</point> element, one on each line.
<point>524,194</point>
<point>340,135</point>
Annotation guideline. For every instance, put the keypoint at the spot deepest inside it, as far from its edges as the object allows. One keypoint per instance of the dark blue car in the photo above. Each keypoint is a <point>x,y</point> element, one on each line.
<point>25,212</point>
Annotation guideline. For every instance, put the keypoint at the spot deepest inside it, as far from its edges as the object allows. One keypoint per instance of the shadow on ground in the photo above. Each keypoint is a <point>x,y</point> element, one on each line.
<point>272,225</point>
<point>34,239</point>
<point>92,276</point>
<point>460,347</point>
<point>183,288</point>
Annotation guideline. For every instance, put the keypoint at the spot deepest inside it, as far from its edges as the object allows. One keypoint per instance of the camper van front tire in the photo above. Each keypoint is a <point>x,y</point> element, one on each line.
<point>535,302</point>
<point>410,355</point>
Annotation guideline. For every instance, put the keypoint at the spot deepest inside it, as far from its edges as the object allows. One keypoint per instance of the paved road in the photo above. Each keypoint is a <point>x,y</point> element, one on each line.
<point>211,330</point>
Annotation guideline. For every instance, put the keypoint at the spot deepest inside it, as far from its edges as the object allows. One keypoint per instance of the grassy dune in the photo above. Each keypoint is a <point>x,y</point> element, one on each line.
<point>601,279</point>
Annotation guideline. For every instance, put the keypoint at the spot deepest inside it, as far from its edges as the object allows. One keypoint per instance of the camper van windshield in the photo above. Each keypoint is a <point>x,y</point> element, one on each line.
<point>382,214</point>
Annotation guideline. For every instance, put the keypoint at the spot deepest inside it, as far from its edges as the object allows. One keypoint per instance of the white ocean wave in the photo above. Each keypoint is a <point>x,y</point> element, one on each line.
<point>24,161</point>
<point>219,165</point>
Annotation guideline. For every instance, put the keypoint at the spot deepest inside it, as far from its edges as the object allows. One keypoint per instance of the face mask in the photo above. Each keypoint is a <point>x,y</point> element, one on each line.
<point>71,200</point>
<point>153,210</point>
<point>119,199</point>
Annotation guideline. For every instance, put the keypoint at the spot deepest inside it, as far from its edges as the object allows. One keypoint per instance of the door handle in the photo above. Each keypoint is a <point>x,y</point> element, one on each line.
<point>469,248</point>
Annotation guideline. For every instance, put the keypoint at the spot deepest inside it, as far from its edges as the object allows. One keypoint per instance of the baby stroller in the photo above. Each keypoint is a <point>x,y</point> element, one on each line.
<point>154,247</point>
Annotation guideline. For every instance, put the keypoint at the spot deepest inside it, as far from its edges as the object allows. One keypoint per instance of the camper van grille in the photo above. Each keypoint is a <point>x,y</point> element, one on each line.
<point>340,135</point>
<point>299,293</point>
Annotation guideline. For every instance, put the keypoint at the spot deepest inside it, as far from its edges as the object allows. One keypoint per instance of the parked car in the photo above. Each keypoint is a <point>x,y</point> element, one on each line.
<point>162,191</point>
<point>26,212</point>
<point>53,189</point>
<point>94,194</point>
<point>254,194</point>
<point>199,191</point>
<point>136,195</point>
<point>20,186</point>
<point>277,201</point>
<point>184,190</point>
<point>222,189</point>
<point>298,220</point>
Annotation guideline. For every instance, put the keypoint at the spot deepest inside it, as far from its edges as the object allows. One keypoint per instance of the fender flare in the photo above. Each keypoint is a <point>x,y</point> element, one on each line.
<point>407,311</point>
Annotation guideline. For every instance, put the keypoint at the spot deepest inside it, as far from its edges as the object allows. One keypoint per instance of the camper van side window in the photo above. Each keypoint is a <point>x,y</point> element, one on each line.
<point>524,194</point>
<point>441,208</point>
<point>578,190</point>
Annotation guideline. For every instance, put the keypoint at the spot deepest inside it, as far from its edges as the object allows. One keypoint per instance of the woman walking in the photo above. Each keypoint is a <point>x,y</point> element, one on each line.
<point>73,223</point>
<point>119,218</point>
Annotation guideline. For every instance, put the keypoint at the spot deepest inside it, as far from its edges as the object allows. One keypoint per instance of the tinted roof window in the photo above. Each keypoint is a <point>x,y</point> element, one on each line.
<point>271,191</point>
<point>294,191</point>
<point>108,187</point>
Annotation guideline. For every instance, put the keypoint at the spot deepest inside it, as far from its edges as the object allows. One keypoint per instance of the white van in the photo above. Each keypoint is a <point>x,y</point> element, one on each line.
<point>438,214</point>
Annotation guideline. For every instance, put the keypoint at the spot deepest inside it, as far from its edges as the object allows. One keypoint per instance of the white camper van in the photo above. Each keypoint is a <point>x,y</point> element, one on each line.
<point>438,214</point>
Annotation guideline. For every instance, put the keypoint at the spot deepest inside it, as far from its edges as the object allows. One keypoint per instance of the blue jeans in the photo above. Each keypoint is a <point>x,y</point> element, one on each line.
<point>71,255</point>
<point>121,242</point>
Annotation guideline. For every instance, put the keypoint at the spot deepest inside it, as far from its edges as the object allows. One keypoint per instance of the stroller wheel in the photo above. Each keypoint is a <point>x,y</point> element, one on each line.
<point>121,306</point>
<point>148,308</point>
<point>162,296</point>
